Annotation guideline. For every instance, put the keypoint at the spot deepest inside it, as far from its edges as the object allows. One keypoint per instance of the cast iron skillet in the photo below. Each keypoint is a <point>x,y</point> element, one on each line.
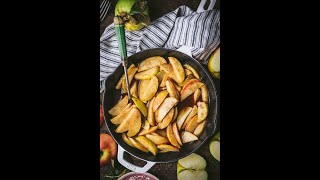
<point>111,97</point>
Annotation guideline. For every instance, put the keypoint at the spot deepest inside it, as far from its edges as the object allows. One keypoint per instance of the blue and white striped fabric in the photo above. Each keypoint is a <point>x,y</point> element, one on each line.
<point>181,27</point>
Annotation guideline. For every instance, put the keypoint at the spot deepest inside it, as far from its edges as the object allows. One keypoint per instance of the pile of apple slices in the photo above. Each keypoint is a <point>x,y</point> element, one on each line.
<point>154,123</point>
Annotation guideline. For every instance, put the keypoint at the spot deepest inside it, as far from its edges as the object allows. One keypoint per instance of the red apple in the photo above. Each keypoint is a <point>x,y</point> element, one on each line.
<point>101,116</point>
<point>108,149</point>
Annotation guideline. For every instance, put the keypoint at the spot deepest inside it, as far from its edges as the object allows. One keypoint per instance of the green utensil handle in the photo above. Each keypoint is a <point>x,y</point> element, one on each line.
<point>121,38</point>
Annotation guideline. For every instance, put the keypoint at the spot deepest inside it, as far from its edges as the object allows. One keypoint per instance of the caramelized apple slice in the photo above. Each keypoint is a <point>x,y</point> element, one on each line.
<point>165,107</point>
<point>190,88</point>
<point>172,89</point>
<point>147,144</point>
<point>162,132</point>
<point>167,148</point>
<point>191,126</point>
<point>134,126</point>
<point>202,111</point>
<point>119,118</point>
<point>147,131</point>
<point>194,72</point>
<point>151,62</point>
<point>150,116</point>
<point>134,89</point>
<point>119,107</point>
<point>200,128</point>
<point>204,93</point>
<point>187,137</point>
<point>150,90</point>
<point>119,85</point>
<point>157,139</point>
<point>196,95</point>
<point>138,145</point>
<point>131,73</point>
<point>193,112</point>
<point>176,133</point>
<point>159,100</point>
<point>167,119</point>
<point>147,74</point>
<point>126,139</point>
<point>178,69</point>
<point>171,136</point>
<point>125,124</point>
<point>183,114</point>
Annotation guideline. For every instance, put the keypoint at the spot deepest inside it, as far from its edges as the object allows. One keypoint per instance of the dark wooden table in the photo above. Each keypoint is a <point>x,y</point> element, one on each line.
<point>168,171</point>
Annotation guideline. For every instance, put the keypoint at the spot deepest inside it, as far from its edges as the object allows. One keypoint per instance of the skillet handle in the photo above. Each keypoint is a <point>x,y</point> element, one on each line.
<point>186,50</point>
<point>130,166</point>
<point>202,3</point>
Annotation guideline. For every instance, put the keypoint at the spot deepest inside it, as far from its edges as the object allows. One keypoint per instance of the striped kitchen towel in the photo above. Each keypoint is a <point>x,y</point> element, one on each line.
<point>181,27</point>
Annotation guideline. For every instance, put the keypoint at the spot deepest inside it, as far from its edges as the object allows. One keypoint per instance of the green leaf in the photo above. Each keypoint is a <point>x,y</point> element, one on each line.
<point>114,170</point>
<point>125,171</point>
<point>116,176</point>
<point>144,19</point>
<point>112,162</point>
<point>139,6</point>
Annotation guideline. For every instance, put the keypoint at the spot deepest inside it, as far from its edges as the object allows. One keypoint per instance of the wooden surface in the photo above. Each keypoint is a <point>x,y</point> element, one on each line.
<point>168,171</point>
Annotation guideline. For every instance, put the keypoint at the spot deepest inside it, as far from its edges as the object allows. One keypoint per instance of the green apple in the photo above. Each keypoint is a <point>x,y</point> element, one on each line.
<point>192,167</point>
<point>214,147</point>
<point>193,175</point>
<point>214,64</point>
<point>180,168</point>
<point>134,12</point>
